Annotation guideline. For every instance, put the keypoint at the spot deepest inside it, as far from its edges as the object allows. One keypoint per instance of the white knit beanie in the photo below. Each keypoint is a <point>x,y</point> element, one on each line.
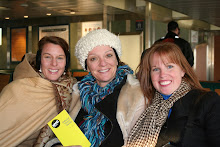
<point>96,38</point>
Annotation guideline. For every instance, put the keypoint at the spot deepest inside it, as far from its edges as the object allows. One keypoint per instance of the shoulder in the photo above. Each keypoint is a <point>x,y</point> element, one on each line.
<point>209,98</point>
<point>131,91</point>
<point>181,40</point>
<point>198,98</point>
<point>131,85</point>
<point>14,90</point>
<point>17,85</point>
<point>205,101</point>
<point>203,96</point>
<point>131,80</point>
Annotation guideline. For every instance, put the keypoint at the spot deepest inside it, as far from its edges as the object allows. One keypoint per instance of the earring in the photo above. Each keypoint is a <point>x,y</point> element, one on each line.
<point>40,70</point>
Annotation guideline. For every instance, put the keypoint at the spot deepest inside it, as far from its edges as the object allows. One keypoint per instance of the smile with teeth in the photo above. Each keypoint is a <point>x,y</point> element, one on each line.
<point>53,70</point>
<point>165,83</point>
<point>104,70</point>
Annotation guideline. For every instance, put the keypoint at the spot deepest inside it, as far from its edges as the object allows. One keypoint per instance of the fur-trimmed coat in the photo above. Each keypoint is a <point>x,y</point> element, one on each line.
<point>123,107</point>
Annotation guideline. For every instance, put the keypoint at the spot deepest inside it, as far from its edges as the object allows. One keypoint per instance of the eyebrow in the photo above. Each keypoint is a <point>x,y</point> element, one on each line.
<point>110,50</point>
<point>105,52</point>
<point>50,54</point>
<point>153,66</point>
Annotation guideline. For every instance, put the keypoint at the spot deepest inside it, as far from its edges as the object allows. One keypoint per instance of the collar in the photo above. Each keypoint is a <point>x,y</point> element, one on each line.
<point>165,97</point>
<point>171,35</point>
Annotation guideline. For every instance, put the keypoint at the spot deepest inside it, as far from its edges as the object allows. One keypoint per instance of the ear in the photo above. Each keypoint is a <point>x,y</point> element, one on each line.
<point>182,73</point>
<point>88,69</point>
<point>177,31</point>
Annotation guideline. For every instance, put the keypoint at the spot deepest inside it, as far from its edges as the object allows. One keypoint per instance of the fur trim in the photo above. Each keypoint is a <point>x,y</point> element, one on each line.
<point>96,38</point>
<point>131,104</point>
<point>75,88</point>
<point>132,80</point>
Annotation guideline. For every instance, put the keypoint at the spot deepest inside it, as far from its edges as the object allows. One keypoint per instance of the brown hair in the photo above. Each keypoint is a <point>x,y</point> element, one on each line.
<point>54,40</point>
<point>172,52</point>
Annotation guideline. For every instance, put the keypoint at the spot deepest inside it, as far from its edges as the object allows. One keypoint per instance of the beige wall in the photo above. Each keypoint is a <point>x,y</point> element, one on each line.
<point>200,61</point>
<point>131,49</point>
<point>217,58</point>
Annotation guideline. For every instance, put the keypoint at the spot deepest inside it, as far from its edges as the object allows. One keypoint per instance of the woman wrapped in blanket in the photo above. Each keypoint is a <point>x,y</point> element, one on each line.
<point>41,88</point>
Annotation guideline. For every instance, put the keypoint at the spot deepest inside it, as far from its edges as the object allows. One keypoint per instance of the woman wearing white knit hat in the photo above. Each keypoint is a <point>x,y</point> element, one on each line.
<point>110,96</point>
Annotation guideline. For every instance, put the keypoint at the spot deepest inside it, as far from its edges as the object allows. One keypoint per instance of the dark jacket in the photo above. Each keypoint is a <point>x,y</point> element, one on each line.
<point>194,121</point>
<point>183,44</point>
<point>114,137</point>
<point>122,108</point>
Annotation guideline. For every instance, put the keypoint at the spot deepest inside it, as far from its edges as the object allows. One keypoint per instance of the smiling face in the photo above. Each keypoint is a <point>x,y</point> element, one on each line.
<point>102,64</point>
<point>166,76</point>
<point>53,61</point>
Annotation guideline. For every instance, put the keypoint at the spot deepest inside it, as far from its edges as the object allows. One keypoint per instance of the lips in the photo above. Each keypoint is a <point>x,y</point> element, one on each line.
<point>164,83</point>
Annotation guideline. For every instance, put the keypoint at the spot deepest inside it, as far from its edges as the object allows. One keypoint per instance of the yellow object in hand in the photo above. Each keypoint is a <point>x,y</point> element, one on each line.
<point>66,130</point>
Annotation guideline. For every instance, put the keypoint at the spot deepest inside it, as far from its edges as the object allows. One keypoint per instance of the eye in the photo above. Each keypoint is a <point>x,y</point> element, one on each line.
<point>47,57</point>
<point>109,55</point>
<point>170,66</point>
<point>60,58</point>
<point>155,69</point>
<point>92,59</point>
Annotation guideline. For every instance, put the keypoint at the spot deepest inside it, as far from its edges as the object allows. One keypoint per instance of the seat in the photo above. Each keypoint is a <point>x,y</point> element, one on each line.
<point>217,91</point>
<point>207,89</point>
<point>79,75</point>
<point>4,80</point>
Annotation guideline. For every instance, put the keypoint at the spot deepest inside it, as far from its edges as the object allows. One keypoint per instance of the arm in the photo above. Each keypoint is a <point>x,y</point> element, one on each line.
<point>188,53</point>
<point>75,105</point>
<point>212,119</point>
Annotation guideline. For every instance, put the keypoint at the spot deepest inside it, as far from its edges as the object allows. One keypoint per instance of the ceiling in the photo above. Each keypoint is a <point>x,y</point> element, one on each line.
<point>17,9</point>
<point>205,10</point>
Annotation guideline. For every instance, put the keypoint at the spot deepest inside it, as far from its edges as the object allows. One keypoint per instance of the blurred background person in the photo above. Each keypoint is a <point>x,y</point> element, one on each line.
<point>41,88</point>
<point>181,113</point>
<point>173,35</point>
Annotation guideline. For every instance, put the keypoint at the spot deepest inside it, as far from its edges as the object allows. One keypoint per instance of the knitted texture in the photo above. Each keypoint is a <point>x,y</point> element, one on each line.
<point>96,38</point>
<point>90,94</point>
<point>147,129</point>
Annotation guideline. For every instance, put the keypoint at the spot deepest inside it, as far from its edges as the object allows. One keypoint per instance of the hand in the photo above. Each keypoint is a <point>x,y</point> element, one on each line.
<point>68,146</point>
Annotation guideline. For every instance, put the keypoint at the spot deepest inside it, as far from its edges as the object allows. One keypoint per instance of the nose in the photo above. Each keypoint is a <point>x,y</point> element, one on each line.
<point>162,73</point>
<point>102,62</point>
<point>54,62</point>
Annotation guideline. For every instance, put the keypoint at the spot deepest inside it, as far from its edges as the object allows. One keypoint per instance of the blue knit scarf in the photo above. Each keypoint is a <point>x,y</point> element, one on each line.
<point>90,94</point>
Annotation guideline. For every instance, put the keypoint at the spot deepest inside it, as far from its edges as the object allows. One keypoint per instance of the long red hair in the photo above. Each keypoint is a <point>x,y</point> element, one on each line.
<point>172,53</point>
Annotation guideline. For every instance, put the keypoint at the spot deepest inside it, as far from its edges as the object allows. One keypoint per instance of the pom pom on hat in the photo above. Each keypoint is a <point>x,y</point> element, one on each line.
<point>96,38</point>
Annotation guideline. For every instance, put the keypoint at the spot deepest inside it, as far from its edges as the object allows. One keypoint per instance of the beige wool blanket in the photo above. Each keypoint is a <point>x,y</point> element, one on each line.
<point>27,104</point>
